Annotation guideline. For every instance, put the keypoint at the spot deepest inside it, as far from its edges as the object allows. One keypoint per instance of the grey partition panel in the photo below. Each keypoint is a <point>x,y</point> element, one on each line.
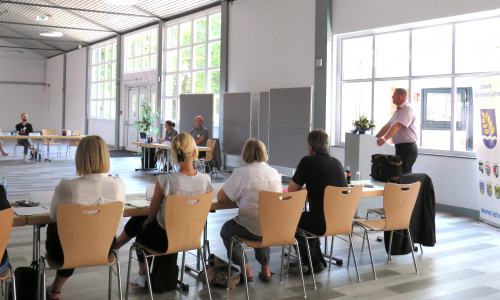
<point>264,118</point>
<point>290,120</point>
<point>192,105</point>
<point>237,123</point>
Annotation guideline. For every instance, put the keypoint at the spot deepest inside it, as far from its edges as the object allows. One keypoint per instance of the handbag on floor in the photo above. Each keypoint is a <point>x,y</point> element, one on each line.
<point>26,282</point>
<point>217,272</point>
<point>164,274</point>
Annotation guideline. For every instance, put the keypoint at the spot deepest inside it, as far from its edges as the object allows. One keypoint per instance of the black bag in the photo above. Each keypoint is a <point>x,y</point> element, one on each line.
<point>26,282</point>
<point>387,168</point>
<point>149,156</point>
<point>35,154</point>
<point>165,273</point>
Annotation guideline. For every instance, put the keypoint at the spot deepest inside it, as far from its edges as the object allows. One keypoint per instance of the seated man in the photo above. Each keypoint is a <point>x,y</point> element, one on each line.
<point>24,128</point>
<point>316,171</point>
<point>199,134</point>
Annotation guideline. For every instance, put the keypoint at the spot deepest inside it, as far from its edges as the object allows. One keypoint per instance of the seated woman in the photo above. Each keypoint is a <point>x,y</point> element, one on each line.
<point>4,204</point>
<point>170,133</point>
<point>150,230</point>
<point>94,187</point>
<point>243,187</point>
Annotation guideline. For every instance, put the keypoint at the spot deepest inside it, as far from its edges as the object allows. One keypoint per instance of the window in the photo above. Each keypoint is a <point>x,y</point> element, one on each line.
<point>192,60</point>
<point>141,51</point>
<point>437,65</point>
<point>103,81</point>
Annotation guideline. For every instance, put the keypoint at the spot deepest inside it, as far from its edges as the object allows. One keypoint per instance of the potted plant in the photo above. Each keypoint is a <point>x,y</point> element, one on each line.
<point>147,118</point>
<point>362,125</point>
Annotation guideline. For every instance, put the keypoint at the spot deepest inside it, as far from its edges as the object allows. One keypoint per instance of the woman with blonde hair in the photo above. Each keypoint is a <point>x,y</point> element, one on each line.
<point>93,187</point>
<point>243,187</point>
<point>150,230</point>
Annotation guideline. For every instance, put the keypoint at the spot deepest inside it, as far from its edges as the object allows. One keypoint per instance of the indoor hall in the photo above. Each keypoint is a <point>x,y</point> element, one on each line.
<point>348,55</point>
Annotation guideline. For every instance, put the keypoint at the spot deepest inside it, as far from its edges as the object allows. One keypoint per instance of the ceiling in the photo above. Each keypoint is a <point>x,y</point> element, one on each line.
<point>82,21</point>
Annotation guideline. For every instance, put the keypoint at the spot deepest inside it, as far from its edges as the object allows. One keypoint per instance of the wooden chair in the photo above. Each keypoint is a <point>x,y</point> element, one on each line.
<point>47,142</point>
<point>6,219</point>
<point>399,200</point>
<point>73,143</point>
<point>340,205</point>
<point>185,218</point>
<point>279,215</point>
<point>208,160</point>
<point>86,234</point>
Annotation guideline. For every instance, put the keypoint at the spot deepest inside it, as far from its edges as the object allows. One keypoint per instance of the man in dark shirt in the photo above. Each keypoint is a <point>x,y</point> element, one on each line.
<point>24,128</point>
<point>316,171</point>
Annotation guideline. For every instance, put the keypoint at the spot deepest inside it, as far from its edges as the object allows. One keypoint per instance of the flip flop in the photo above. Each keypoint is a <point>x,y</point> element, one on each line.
<point>53,292</point>
<point>265,278</point>
<point>249,278</point>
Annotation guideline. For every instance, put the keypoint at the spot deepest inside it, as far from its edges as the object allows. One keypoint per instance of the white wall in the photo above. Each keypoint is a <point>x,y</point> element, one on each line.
<point>271,44</point>
<point>76,62</point>
<point>52,109</point>
<point>25,91</point>
<point>356,15</point>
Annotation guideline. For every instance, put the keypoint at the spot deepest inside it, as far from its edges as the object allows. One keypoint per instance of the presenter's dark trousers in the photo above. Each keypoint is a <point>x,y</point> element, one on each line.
<point>408,153</point>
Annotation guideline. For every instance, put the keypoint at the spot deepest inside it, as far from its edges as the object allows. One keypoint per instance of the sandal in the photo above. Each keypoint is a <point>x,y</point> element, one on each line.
<point>249,278</point>
<point>53,292</point>
<point>265,278</point>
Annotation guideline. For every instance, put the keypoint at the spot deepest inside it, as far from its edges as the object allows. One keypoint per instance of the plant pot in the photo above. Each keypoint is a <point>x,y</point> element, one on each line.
<point>359,131</point>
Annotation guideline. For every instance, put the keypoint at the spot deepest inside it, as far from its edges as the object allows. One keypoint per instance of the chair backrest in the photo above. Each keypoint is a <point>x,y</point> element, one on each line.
<point>86,233</point>
<point>6,219</point>
<point>185,218</point>
<point>399,200</point>
<point>77,132</point>
<point>210,154</point>
<point>49,132</point>
<point>340,205</point>
<point>279,215</point>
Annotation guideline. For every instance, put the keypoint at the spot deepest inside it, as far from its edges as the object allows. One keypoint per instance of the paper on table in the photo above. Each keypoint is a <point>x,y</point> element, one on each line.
<point>138,203</point>
<point>29,211</point>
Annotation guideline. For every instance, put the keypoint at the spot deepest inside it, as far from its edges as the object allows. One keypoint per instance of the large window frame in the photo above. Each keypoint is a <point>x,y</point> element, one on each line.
<point>181,60</point>
<point>103,80</point>
<point>453,76</point>
<point>141,51</point>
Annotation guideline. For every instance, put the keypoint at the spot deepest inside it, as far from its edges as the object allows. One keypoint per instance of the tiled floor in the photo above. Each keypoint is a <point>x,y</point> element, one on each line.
<point>464,264</point>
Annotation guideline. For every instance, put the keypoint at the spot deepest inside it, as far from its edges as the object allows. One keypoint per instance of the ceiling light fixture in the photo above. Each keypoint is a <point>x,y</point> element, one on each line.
<point>52,34</point>
<point>122,2</point>
<point>42,18</point>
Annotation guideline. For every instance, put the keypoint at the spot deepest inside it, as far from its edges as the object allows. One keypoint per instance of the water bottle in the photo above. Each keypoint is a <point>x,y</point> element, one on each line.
<point>348,171</point>
<point>4,183</point>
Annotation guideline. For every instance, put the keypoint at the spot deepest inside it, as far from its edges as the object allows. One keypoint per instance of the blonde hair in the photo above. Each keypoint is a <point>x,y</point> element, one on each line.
<point>92,156</point>
<point>183,147</point>
<point>253,151</point>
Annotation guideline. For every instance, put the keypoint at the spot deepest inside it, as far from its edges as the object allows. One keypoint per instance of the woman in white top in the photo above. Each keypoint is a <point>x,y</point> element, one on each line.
<point>150,230</point>
<point>94,187</point>
<point>243,187</point>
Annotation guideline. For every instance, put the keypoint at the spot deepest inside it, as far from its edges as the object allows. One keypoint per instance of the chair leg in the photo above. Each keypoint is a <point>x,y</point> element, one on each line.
<point>129,270</point>
<point>390,247</point>
<point>206,276</point>
<point>147,273</point>
<point>288,259</point>
<point>300,268</point>
<point>351,248</point>
<point>331,253</point>
<point>183,263</point>
<point>229,263</point>
<point>281,265</point>
<point>13,278</point>
<point>119,275</point>
<point>370,250</point>
<point>412,252</point>
<point>421,249</point>
<point>245,271</point>
<point>309,257</point>
<point>110,281</point>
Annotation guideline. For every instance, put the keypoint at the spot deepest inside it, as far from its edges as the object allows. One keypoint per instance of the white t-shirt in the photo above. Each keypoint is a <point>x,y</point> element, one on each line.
<point>408,132</point>
<point>243,187</point>
<point>91,189</point>
<point>182,185</point>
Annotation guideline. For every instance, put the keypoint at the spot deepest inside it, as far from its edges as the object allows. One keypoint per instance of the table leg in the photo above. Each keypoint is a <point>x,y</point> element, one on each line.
<point>145,159</point>
<point>48,151</point>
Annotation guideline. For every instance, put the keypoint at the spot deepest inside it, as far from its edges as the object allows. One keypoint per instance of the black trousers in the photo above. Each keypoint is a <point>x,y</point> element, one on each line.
<point>408,153</point>
<point>314,223</point>
<point>54,249</point>
<point>151,236</point>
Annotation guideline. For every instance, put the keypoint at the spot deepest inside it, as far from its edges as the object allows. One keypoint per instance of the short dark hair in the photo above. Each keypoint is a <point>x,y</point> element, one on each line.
<point>170,123</point>
<point>318,139</point>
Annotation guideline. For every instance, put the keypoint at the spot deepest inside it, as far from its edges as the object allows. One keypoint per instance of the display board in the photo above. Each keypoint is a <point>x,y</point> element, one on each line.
<point>237,123</point>
<point>290,120</point>
<point>263,135</point>
<point>193,105</point>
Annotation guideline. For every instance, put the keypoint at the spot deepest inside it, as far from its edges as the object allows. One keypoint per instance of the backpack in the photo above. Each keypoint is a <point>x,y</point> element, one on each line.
<point>165,273</point>
<point>387,168</point>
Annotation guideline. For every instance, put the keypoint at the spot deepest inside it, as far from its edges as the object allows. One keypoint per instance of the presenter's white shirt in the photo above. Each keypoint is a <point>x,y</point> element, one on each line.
<point>243,187</point>
<point>408,132</point>
<point>91,189</point>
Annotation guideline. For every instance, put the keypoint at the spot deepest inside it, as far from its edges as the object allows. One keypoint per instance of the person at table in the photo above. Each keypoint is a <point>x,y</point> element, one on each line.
<point>150,230</point>
<point>316,170</point>
<point>94,187</point>
<point>199,134</point>
<point>24,128</point>
<point>243,187</point>
<point>170,133</point>
<point>401,128</point>
<point>4,204</point>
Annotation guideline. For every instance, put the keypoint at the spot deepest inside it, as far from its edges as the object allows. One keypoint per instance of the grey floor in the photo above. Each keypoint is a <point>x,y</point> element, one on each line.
<point>464,264</point>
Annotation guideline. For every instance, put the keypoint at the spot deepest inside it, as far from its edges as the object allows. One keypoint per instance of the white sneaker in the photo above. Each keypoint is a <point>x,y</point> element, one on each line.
<point>138,279</point>
<point>25,159</point>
